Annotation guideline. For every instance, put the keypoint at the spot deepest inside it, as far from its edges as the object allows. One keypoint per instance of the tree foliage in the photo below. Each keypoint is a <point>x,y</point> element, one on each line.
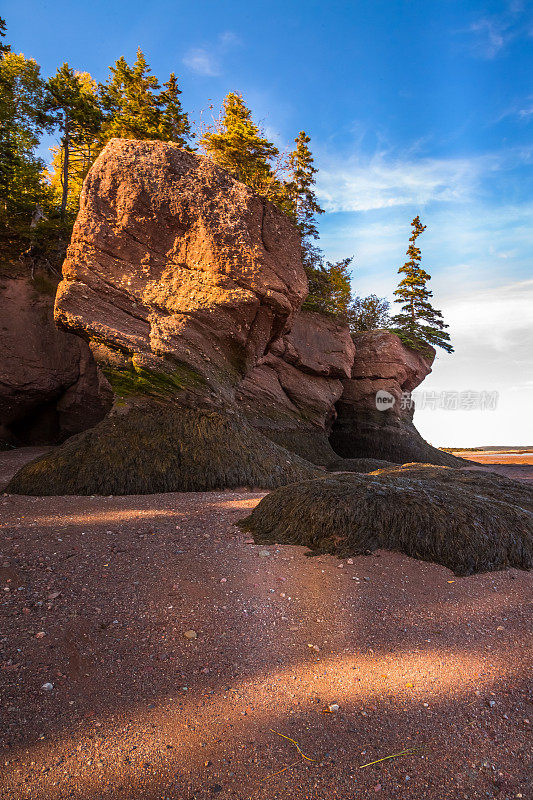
<point>74,110</point>
<point>369,313</point>
<point>329,283</point>
<point>302,200</point>
<point>22,111</point>
<point>134,108</point>
<point>4,48</point>
<point>237,145</point>
<point>418,322</point>
<point>174,123</point>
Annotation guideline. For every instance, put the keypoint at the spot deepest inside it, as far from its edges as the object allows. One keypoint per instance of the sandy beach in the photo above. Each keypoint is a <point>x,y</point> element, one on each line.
<point>99,592</point>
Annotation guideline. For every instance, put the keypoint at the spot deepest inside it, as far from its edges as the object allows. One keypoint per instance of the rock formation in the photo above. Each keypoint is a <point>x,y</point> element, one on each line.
<point>177,269</point>
<point>187,288</point>
<point>361,430</point>
<point>50,386</point>
<point>468,521</point>
<point>291,394</point>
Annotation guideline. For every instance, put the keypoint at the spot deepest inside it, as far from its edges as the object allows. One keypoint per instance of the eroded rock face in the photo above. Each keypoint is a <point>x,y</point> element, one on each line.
<point>50,386</point>
<point>174,264</point>
<point>291,394</point>
<point>382,362</point>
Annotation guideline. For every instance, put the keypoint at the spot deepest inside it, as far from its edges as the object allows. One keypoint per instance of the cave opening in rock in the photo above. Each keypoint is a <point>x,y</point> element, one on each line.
<point>40,425</point>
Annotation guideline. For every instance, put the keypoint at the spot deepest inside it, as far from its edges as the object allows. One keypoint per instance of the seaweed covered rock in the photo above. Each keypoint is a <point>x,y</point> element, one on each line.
<point>161,448</point>
<point>468,521</point>
<point>358,465</point>
<point>361,430</point>
<point>173,263</point>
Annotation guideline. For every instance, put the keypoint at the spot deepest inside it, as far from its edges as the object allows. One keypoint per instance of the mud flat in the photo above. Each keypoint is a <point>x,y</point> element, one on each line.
<point>516,464</point>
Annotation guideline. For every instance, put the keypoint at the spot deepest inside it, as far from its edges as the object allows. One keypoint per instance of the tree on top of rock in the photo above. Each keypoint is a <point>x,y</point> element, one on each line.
<point>236,144</point>
<point>135,108</point>
<point>369,313</point>
<point>73,105</point>
<point>329,283</point>
<point>299,187</point>
<point>174,124</point>
<point>418,321</point>
<point>130,101</point>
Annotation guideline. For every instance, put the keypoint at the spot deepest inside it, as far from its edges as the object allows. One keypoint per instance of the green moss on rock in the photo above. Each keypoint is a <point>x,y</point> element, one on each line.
<point>134,380</point>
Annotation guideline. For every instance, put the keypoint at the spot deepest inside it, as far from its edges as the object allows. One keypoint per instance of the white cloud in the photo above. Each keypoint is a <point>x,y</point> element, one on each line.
<point>383,181</point>
<point>201,62</point>
<point>491,36</point>
<point>206,60</point>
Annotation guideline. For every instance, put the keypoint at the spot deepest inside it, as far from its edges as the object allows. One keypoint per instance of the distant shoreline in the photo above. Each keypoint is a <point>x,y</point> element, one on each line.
<point>488,449</point>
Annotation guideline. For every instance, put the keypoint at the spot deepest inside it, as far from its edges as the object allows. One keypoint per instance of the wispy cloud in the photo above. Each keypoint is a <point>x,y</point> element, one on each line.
<point>527,111</point>
<point>389,178</point>
<point>383,181</point>
<point>489,35</point>
<point>201,62</point>
<point>521,107</point>
<point>206,60</point>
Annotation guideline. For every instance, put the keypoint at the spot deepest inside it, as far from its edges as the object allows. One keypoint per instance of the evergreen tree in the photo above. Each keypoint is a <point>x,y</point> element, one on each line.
<point>135,109</point>
<point>76,112</point>
<point>4,48</point>
<point>22,111</point>
<point>329,283</point>
<point>83,145</point>
<point>236,144</point>
<point>301,197</point>
<point>131,101</point>
<point>418,321</point>
<point>369,313</point>
<point>174,125</point>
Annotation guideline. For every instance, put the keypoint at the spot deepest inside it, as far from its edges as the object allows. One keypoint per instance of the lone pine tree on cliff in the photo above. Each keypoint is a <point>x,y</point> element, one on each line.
<point>299,188</point>
<point>418,321</point>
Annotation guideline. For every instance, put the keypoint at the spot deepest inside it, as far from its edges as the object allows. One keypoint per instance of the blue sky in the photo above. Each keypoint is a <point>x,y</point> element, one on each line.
<point>413,107</point>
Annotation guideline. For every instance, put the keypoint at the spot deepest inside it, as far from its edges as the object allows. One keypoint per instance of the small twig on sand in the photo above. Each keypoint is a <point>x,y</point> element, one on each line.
<point>288,765</point>
<point>280,771</point>
<point>295,744</point>
<point>408,752</point>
